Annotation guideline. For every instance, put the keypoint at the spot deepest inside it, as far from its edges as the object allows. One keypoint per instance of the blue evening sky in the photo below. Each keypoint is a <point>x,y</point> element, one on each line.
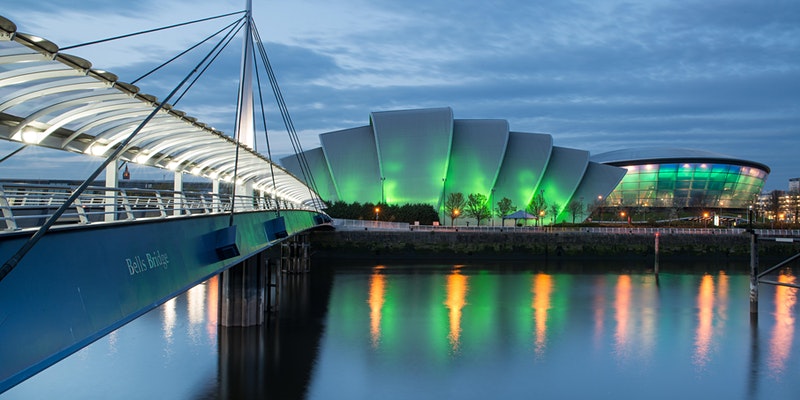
<point>599,75</point>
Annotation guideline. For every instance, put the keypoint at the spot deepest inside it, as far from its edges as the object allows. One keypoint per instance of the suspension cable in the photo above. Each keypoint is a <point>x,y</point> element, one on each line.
<point>266,136</point>
<point>13,153</point>
<point>184,52</point>
<point>230,35</point>
<point>304,167</point>
<point>237,126</point>
<point>150,31</point>
<point>12,262</point>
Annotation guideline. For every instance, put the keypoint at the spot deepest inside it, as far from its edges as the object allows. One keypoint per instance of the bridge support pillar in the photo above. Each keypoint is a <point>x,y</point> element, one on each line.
<point>244,292</point>
<point>295,255</point>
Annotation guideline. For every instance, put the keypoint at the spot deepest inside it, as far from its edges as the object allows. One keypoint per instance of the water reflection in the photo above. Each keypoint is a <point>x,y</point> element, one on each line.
<point>622,313</point>
<point>195,302</point>
<point>542,290</point>
<point>212,308</point>
<point>457,332</point>
<point>705,320</point>
<point>780,344</point>
<point>456,300</point>
<point>377,291</point>
<point>168,319</point>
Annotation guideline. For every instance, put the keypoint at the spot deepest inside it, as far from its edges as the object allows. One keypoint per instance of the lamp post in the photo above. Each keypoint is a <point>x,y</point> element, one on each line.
<point>491,203</point>
<point>377,212</point>
<point>383,198</point>
<point>444,180</point>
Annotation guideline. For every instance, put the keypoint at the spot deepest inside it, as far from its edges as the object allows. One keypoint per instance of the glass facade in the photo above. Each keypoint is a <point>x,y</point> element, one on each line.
<point>691,184</point>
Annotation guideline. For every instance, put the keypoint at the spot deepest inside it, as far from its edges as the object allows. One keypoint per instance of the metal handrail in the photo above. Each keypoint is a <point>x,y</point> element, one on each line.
<point>25,206</point>
<point>349,224</point>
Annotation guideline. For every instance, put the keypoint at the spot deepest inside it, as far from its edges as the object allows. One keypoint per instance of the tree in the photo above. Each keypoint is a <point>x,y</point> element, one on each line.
<point>555,208</point>
<point>505,207</point>
<point>774,203</point>
<point>477,208</point>
<point>575,207</point>
<point>537,206</point>
<point>454,205</point>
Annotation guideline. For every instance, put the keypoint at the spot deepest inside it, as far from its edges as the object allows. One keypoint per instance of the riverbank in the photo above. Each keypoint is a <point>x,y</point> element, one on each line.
<point>532,245</point>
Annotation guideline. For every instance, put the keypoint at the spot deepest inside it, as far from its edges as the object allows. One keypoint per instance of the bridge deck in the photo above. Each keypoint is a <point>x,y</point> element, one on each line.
<point>89,276</point>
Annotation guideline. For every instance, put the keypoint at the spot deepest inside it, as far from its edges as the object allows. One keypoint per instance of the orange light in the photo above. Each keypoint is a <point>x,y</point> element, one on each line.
<point>455,212</point>
<point>377,210</point>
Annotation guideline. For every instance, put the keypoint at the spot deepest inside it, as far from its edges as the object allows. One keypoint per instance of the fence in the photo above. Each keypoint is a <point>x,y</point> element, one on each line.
<point>29,206</point>
<point>348,224</point>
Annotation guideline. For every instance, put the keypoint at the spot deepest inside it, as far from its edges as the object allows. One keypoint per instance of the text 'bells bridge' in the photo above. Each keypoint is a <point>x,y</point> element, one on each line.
<point>83,260</point>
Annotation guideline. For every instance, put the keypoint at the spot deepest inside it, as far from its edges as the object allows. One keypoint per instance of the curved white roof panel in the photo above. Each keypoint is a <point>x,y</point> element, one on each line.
<point>402,156</point>
<point>644,155</point>
<point>58,101</point>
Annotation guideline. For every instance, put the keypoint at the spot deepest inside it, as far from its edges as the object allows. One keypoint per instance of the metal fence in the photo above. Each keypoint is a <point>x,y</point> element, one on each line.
<point>347,224</point>
<point>29,206</point>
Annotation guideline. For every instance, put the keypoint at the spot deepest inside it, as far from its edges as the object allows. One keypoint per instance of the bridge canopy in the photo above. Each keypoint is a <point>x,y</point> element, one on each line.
<point>56,100</point>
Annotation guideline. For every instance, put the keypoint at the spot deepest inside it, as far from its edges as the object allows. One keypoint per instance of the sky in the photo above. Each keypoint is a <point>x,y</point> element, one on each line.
<point>598,75</point>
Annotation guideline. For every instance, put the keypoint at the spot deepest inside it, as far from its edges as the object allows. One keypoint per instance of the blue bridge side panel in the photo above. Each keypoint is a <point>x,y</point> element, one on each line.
<point>79,284</point>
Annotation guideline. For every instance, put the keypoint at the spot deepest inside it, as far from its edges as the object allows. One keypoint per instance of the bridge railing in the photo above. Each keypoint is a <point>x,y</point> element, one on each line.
<point>25,206</point>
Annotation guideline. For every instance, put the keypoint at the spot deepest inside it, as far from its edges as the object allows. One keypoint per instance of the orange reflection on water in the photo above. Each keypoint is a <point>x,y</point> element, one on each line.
<point>457,288</point>
<point>780,344</point>
<point>212,307</point>
<point>377,293</point>
<point>705,321</point>
<point>542,291</point>
<point>622,308</point>
<point>599,311</point>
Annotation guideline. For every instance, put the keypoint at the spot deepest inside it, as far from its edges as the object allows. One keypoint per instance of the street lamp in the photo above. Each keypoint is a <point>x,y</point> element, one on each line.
<point>383,198</point>
<point>491,203</point>
<point>377,212</point>
<point>443,200</point>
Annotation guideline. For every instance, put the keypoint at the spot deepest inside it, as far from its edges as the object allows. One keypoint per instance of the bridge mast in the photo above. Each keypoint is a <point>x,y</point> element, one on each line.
<point>244,109</point>
<point>245,122</point>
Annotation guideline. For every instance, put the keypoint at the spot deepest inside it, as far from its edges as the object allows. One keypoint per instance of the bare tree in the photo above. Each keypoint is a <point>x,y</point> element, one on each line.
<point>537,206</point>
<point>477,207</point>
<point>454,205</point>
<point>555,208</point>
<point>774,203</point>
<point>505,207</point>
<point>575,207</point>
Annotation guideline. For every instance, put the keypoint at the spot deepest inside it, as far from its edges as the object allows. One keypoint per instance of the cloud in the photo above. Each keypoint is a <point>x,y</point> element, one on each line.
<point>597,75</point>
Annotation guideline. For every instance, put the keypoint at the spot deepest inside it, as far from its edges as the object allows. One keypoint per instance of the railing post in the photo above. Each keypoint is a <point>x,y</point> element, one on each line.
<point>8,213</point>
<point>126,205</point>
<point>177,187</point>
<point>82,217</point>
<point>161,209</point>
<point>110,196</point>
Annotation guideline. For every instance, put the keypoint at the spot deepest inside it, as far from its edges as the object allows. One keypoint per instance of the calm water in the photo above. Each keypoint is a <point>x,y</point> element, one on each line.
<point>457,331</point>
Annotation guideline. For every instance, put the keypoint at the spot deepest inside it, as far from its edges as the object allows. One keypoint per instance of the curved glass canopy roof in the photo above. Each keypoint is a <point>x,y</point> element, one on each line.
<point>58,101</point>
<point>674,177</point>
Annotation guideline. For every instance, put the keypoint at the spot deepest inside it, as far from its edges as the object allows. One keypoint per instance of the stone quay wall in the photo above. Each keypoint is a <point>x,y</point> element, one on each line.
<point>526,245</point>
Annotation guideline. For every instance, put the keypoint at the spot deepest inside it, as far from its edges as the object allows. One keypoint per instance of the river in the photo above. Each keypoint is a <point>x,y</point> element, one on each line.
<point>472,331</point>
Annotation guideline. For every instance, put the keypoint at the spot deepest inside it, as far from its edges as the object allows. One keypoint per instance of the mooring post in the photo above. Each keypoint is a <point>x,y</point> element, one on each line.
<point>753,273</point>
<point>655,267</point>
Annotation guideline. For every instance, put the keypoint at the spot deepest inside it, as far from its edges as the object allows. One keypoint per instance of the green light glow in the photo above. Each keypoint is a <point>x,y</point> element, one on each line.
<point>688,185</point>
